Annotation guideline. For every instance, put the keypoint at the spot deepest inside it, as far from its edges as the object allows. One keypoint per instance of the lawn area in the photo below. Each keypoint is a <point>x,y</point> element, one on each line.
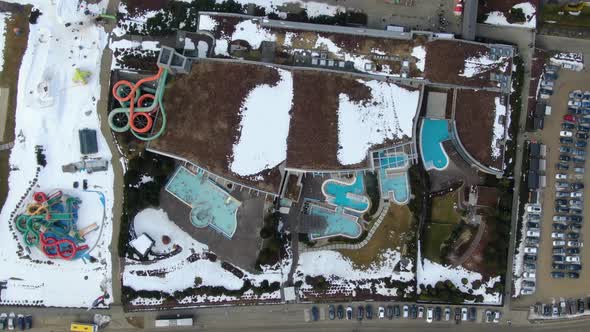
<point>550,13</point>
<point>14,50</point>
<point>391,234</point>
<point>434,236</point>
<point>443,210</point>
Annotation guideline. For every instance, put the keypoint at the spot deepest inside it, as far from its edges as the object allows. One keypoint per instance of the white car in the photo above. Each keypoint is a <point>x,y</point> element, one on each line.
<point>429,315</point>
<point>406,310</point>
<point>558,235</point>
<point>381,312</point>
<point>349,312</point>
<point>577,194</point>
<point>529,275</point>
<point>561,176</point>
<point>464,314</point>
<point>497,316</point>
<point>566,133</point>
<point>559,218</point>
<point>559,243</point>
<point>533,209</point>
<point>572,259</point>
<point>11,318</point>
<point>527,291</point>
<point>447,313</point>
<point>420,312</point>
<point>533,234</point>
<point>574,244</point>
<point>530,250</point>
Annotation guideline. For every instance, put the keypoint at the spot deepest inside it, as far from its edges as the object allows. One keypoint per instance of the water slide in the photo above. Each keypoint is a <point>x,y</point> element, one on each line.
<point>139,118</point>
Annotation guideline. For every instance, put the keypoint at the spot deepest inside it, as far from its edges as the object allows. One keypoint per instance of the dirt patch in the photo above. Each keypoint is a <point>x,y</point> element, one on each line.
<point>136,321</point>
<point>204,118</point>
<point>488,196</point>
<point>445,61</point>
<point>313,133</point>
<point>475,118</point>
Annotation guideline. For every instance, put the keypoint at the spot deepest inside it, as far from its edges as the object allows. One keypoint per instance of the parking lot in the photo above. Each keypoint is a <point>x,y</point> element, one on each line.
<point>548,287</point>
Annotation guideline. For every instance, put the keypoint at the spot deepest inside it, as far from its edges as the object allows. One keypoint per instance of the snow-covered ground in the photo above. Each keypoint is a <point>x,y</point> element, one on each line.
<point>344,277</point>
<point>3,18</point>
<point>264,127</point>
<point>529,10</point>
<point>387,116</point>
<point>54,50</point>
<point>475,66</point>
<point>499,129</point>
<point>429,273</point>
<point>179,271</point>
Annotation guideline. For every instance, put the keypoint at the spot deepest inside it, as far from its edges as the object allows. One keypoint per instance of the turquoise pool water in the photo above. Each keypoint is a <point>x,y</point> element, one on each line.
<point>351,196</point>
<point>396,161</point>
<point>432,134</point>
<point>397,184</point>
<point>339,223</point>
<point>211,205</point>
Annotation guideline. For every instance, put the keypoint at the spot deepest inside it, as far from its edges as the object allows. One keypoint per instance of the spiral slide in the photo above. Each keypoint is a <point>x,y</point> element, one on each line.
<point>138,111</point>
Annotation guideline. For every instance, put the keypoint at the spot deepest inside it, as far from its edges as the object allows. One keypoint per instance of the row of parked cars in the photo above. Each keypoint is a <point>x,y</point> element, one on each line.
<point>12,321</point>
<point>569,185</point>
<point>412,311</point>
<point>562,308</point>
<point>532,219</point>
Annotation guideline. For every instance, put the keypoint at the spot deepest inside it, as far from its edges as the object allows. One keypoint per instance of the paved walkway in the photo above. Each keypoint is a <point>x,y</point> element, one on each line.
<point>467,254</point>
<point>352,246</point>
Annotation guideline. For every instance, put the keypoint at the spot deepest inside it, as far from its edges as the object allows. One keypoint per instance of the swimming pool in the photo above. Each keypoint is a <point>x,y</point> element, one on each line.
<point>395,183</point>
<point>349,195</point>
<point>210,204</point>
<point>399,160</point>
<point>338,223</point>
<point>432,133</point>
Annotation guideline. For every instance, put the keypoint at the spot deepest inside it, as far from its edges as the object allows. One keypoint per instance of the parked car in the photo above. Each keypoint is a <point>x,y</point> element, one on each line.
<point>562,194</point>
<point>381,312</point>
<point>528,283</point>
<point>20,319</point>
<point>533,233</point>
<point>464,314</point>
<point>533,208</point>
<point>582,128</point>
<point>558,266</point>
<point>564,157</point>
<point>576,203</point>
<point>569,117</point>
<point>560,202</point>
<point>420,312</point>
<point>396,311</point>
<point>577,186</point>
<point>369,310</point>
<point>530,258</point>
<point>489,316</point>
<point>530,266</point>
<point>340,311</point>
<point>579,170</point>
<point>315,313</point>
<point>472,314</point>
<point>575,210</point>
<point>331,312</point>
<point>429,315</point>
<point>457,315</point>
<point>573,236</point>
<point>569,126</point>
<point>558,243</point>
<point>577,194</point>
<point>3,321</point>
<point>573,267</point>
<point>575,218</point>
<point>566,140</point>
<point>530,241</point>
<point>558,258</point>
<point>534,217</point>
<point>529,275</point>
<point>579,159</point>
<point>582,135</point>
<point>561,176</point>
<point>389,312</point>
<point>349,313</point>
<point>560,218</point>
<point>497,316</point>
<point>565,133</point>
<point>562,209</point>
<point>530,250</point>
<point>437,314</point>
<point>581,306</point>
<point>28,322</point>
<point>558,251</point>
<point>557,275</point>
<point>11,322</point>
<point>572,259</point>
<point>574,244</point>
<point>406,311</point>
<point>447,313</point>
<point>559,227</point>
<point>558,235</point>
<point>360,312</point>
<point>581,144</point>
<point>573,275</point>
<point>572,251</point>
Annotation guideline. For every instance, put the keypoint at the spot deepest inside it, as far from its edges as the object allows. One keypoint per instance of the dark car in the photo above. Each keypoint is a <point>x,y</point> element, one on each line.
<point>369,310</point>
<point>573,236</point>
<point>573,267</point>
<point>582,135</point>
<point>572,251</point>
<point>558,266</point>
<point>568,125</point>
<point>331,312</point>
<point>562,209</point>
<point>562,166</point>
<point>577,186</point>
<point>21,322</point>
<point>576,218</point>
<point>559,227</point>
<point>583,129</point>
<point>557,275</point>
<point>581,144</point>
<point>561,202</point>
<point>579,159</point>
<point>360,313</point>
<point>566,140</point>
<point>558,251</point>
<point>349,313</point>
<point>564,157</point>
<point>28,322</point>
<point>437,313</point>
<point>3,321</point>
<point>546,310</point>
<point>472,314</point>
<point>530,258</point>
<point>573,275</point>
<point>389,311</point>
<point>530,266</point>
<point>558,258</point>
<point>581,308</point>
<point>315,313</point>
<point>457,315</point>
<point>340,311</point>
<point>396,311</point>
<point>532,240</point>
<point>414,311</point>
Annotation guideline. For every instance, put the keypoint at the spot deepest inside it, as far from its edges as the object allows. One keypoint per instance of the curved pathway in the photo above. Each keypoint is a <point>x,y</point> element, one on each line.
<point>467,254</point>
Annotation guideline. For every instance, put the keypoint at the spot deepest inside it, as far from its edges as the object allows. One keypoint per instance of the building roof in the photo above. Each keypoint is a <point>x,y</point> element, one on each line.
<point>142,244</point>
<point>535,150</point>
<point>533,180</point>
<point>88,142</point>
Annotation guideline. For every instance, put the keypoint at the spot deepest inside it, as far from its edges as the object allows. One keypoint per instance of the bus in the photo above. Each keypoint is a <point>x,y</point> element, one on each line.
<point>178,320</point>
<point>83,327</point>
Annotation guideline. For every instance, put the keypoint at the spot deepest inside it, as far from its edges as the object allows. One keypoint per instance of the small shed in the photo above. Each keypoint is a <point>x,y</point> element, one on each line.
<point>88,142</point>
<point>142,244</point>
<point>533,180</point>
